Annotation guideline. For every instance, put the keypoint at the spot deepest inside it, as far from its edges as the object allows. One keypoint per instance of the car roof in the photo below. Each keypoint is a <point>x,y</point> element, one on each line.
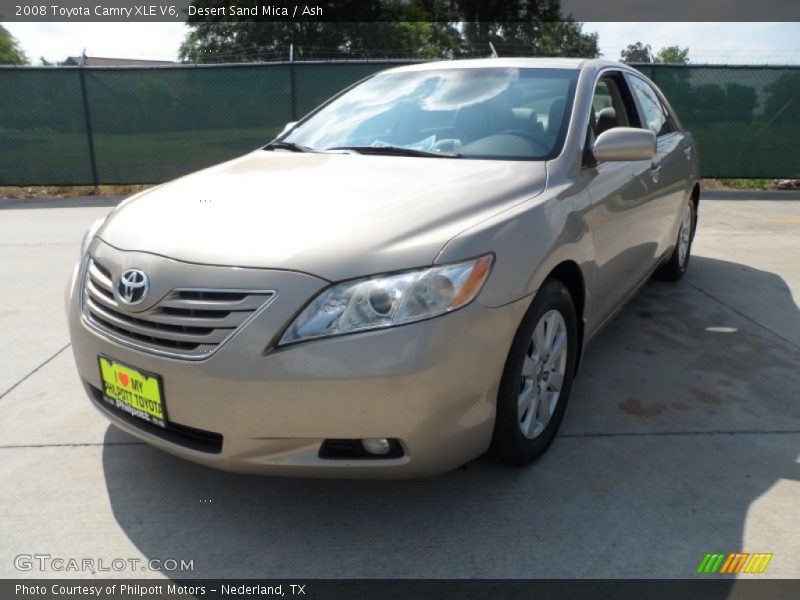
<point>511,62</point>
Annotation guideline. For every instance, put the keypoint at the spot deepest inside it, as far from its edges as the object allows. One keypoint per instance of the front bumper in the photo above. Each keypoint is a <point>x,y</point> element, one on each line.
<point>432,385</point>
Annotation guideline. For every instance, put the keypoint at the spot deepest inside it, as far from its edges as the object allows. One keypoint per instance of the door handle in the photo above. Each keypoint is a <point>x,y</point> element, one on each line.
<point>688,152</point>
<point>655,170</point>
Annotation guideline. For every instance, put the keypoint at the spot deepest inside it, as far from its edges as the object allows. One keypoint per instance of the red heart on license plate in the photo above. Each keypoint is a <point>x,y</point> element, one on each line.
<point>123,379</point>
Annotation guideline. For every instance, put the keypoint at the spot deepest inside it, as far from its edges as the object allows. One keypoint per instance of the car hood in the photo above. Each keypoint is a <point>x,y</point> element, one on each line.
<point>333,215</point>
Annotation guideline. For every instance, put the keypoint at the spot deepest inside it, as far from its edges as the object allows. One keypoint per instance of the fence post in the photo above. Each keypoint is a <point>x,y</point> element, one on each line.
<point>89,133</point>
<point>292,83</point>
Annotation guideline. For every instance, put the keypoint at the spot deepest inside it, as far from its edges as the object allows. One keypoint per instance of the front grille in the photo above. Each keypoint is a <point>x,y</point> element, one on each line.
<point>187,323</point>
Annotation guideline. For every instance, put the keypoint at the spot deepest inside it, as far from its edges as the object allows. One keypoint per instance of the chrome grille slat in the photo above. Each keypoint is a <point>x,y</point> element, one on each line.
<point>101,277</point>
<point>97,294</point>
<point>185,323</point>
<point>136,325</point>
<point>230,320</point>
<point>250,302</point>
<point>158,345</point>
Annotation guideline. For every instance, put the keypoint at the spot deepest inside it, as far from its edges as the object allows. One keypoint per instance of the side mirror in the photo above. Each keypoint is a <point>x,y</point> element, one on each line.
<point>288,126</point>
<point>625,143</point>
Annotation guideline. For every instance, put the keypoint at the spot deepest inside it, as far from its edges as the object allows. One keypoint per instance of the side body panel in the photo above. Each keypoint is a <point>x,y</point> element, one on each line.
<point>622,210</point>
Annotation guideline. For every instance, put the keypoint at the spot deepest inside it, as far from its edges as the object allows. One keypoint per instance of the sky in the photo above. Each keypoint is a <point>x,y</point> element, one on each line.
<point>741,43</point>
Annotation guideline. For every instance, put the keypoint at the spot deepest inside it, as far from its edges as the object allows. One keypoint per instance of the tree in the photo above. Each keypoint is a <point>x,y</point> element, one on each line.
<point>531,27</point>
<point>636,53</point>
<point>412,34</point>
<point>565,38</point>
<point>643,53</point>
<point>10,52</point>
<point>672,55</point>
<point>545,38</point>
<point>252,41</point>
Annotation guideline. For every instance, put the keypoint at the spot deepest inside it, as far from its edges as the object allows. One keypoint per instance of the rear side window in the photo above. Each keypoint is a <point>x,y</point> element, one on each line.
<point>654,115</point>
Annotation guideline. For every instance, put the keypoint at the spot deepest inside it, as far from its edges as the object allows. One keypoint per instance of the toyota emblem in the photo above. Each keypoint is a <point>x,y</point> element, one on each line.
<point>133,286</point>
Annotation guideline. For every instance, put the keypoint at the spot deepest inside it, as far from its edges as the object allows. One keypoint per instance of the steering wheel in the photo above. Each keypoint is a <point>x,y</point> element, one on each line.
<point>526,135</point>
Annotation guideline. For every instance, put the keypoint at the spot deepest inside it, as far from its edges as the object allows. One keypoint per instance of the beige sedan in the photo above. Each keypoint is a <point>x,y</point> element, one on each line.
<point>402,281</point>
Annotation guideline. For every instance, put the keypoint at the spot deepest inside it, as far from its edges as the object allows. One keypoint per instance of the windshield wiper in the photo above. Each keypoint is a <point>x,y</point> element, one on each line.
<point>395,151</point>
<point>291,146</point>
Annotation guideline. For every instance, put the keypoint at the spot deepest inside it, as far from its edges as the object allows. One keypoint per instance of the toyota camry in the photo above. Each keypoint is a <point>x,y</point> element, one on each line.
<point>400,282</point>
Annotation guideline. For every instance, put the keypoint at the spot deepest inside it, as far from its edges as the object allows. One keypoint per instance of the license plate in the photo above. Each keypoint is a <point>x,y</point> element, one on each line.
<point>135,391</point>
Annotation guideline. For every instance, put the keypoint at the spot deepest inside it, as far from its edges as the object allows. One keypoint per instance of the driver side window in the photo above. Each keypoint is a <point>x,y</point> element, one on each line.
<point>611,107</point>
<point>608,107</point>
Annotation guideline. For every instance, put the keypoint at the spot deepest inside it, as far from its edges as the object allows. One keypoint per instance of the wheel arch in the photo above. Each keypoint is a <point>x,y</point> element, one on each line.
<point>569,274</point>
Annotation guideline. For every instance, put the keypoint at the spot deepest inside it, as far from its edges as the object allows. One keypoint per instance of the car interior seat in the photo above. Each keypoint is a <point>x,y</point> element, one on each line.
<point>535,126</point>
<point>482,119</point>
<point>606,119</point>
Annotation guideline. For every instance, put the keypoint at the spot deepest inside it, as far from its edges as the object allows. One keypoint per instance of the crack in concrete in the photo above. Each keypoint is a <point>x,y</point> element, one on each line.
<point>680,433</point>
<point>29,375</point>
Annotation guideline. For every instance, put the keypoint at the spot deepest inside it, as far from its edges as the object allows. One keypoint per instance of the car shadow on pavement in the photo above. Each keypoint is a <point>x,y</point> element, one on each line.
<point>683,416</point>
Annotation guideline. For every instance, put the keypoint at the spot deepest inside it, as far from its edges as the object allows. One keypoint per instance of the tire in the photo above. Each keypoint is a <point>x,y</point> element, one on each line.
<point>676,266</point>
<point>552,310</point>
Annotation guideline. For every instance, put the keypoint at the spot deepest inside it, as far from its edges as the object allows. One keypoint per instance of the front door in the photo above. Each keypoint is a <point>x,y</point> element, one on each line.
<point>622,204</point>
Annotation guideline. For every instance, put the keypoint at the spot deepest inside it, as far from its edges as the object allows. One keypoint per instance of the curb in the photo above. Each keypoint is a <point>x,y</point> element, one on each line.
<point>749,194</point>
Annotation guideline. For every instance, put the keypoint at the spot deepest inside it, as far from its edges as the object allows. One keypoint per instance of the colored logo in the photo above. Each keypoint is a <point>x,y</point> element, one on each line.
<point>736,562</point>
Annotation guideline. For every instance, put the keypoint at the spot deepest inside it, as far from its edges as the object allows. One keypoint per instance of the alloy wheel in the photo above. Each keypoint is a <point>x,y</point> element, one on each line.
<point>542,375</point>
<point>685,236</point>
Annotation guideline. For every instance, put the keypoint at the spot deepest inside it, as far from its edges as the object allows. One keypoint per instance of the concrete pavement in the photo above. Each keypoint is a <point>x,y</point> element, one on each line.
<point>681,438</point>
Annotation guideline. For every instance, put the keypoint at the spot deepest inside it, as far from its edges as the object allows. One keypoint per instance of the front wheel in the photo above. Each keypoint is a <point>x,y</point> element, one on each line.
<point>677,264</point>
<point>537,378</point>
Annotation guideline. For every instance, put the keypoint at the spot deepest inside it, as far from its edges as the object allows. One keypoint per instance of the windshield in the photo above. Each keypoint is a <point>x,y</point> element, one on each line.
<point>487,113</point>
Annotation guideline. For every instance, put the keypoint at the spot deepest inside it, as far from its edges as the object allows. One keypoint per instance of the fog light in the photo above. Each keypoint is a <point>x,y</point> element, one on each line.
<point>376,445</point>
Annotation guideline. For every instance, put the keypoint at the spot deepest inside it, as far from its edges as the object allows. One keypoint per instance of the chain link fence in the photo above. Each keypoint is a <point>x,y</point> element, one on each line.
<point>84,126</point>
<point>746,119</point>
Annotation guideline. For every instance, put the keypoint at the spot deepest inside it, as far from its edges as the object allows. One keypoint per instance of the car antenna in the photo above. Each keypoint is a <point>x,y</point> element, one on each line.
<point>494,52</point>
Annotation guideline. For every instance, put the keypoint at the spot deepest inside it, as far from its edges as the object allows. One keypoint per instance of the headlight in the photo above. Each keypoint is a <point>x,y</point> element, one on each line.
<point>389,300</point>
<point>87,239</point>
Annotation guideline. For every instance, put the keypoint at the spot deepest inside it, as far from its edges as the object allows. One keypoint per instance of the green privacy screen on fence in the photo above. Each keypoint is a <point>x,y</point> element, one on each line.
<point>745,119</point>
<point>150,125</point>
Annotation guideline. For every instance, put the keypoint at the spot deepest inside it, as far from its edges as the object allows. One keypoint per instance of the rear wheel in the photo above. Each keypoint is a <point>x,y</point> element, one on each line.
<point>677,264</point>
<point>537,378</point>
